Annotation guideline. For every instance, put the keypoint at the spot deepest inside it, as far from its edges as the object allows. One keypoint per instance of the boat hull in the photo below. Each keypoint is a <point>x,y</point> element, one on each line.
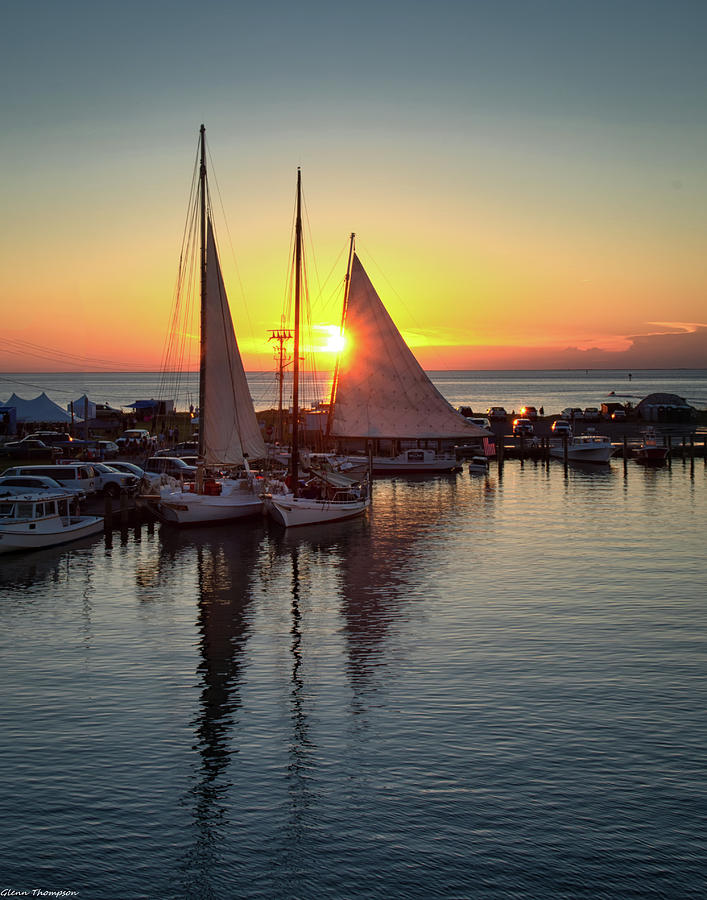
<point>652,456</point>
<point>16,537</point>
<point>295,511</point>
<point>588,455</point>
<point>399,465</point>
<point>587,448</point>
<point>236,500</point>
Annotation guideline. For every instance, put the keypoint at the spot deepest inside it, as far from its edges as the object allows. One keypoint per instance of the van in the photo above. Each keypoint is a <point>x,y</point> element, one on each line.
<point>170,465</point>
<point>75,476</point>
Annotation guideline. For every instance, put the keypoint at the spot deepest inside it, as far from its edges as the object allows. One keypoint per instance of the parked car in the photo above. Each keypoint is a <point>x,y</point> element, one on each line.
<point>496,412</point>
<point>522,428</point>
<point>29,447</point>
<point>75,476</point>
<point>113,482</point>
<point>170,465</point>
<point>109,449</point>
<point>25,484</point>
<point>129,468</point>
<point>133,437</point>
<point>618,415</point>
<point>529,412</point>
<point>51,437</point>
<point>186,448</point>
<point>481,421</point>
<point>572,412</point>
<point>561,426</point>
<point>591,414</point>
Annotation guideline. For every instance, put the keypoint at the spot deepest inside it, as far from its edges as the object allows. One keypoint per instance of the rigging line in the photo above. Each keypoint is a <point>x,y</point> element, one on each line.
<point>16,346</point>
<point>193,193</point>
<point>337,287</point>
<point>407,309</point>
<point>40,387</point>
<point>311,243</point>
<point>289,274</point>
<point>244,303</point>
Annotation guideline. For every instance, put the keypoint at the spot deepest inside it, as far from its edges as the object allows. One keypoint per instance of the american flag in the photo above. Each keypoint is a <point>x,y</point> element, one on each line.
<point>489,446</point>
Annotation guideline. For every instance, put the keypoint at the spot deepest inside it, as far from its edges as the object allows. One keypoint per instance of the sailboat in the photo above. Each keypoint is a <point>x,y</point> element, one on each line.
<point>382,398</point>
<point>325,496</point>
<point>229,434</point>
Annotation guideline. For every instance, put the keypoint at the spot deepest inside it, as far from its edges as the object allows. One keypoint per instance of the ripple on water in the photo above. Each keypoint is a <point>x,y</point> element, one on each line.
<point>492,686</point>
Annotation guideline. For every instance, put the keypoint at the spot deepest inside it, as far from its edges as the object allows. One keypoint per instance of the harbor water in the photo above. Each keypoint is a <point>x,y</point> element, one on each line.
<point>493,686</point>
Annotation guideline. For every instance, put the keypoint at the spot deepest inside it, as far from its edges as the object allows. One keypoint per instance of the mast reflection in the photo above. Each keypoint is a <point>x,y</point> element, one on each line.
<point>225,562</point>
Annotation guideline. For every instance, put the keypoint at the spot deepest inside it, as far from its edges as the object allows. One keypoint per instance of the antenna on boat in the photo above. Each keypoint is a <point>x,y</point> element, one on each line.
<point>335,379</point>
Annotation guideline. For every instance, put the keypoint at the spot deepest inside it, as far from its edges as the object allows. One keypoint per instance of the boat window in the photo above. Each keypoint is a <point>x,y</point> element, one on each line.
<point>25,510</point>
<point>7,509</point>
<point>38,510</point>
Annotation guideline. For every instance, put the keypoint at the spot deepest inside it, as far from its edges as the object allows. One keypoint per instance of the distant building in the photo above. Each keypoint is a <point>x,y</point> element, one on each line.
<point>665,408</point>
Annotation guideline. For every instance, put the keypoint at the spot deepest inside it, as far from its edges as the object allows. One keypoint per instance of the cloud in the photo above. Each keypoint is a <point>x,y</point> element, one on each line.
<point>684,347</point>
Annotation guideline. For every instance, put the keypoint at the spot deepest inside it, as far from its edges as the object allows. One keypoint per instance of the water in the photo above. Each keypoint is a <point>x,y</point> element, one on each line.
<point>490,687</point>
<point>551,389</point>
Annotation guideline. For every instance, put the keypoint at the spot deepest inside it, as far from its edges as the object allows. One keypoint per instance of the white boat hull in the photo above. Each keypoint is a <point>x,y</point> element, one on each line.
<point>189,508</point>
<point>293,511</point>
<point>596,452</point>
<point>399,465</point>
<point>17,537</point>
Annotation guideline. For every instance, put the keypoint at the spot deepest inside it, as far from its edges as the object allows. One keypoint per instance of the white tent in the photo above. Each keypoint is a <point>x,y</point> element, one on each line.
<point>41,409</point>
<point>83,408</point>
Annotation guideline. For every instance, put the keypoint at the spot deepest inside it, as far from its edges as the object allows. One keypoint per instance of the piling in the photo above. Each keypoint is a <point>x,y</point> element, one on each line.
<point>107,514</point>
<point>625,454</point>
<point>123,509</point>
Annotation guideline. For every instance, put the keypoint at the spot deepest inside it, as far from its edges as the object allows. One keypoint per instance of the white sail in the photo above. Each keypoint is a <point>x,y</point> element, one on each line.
<point>382,391</point>
<point>230,429</point>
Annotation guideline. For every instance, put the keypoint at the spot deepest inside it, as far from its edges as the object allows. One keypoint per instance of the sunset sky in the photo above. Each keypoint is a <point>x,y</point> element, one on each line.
<point>527,180</point>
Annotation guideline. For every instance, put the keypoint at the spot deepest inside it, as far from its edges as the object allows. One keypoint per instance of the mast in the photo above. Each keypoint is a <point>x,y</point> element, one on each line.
<point>335,379</point>
<point>294,462</point>
<point>202,233</point>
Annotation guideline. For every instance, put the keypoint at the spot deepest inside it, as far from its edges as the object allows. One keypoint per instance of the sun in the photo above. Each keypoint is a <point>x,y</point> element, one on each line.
<point>333,341</point>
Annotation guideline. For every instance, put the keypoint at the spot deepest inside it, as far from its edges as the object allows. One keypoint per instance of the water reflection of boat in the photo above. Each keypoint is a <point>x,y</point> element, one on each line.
<point>224,567</point>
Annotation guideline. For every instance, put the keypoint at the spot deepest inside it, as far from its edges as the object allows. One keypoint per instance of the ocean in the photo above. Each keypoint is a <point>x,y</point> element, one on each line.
<point>552,389</point>
<point>492,686</point>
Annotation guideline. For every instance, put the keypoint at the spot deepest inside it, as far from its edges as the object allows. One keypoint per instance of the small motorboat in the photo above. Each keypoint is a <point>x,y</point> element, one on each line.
<point>35,521</point>
<point>589,447</point>
<point>650,452</point>
<point>478,464</point>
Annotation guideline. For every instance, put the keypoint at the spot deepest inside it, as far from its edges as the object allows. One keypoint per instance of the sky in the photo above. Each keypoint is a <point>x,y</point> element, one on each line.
<point>527,179</point>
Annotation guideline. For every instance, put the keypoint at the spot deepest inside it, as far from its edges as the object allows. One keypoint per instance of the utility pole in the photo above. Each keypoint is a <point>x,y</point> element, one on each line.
<point>280,336</point>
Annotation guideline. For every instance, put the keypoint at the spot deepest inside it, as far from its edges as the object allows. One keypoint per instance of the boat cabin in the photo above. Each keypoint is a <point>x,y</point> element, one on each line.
<point>35,510</point>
